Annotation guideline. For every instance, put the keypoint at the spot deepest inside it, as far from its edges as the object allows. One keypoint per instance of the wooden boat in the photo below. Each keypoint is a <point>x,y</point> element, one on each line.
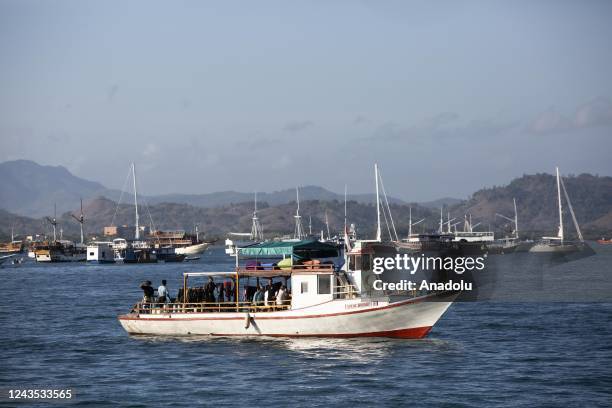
<point>325,301</point>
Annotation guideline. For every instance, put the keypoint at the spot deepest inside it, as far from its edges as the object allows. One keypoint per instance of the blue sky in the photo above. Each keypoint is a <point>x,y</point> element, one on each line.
<point>206,96</point>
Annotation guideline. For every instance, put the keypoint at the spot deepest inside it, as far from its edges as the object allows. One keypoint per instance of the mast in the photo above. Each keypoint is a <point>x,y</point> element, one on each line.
<point>299,230</point>
<point>378,230</point>
<point>80,219</point>
<point>410,222</point>
<point>137,231</point>
<point>345,207</point>
<point>327,225</point>
<point>441,220</point>
<point>560,234</point>
<point>516,234</point>
<point>256,231</point>
<point>53,222</point>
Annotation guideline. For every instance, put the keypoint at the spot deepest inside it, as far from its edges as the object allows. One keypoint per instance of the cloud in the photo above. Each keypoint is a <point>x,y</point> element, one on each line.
<point>150,150</point>
<point>112,91</point>
<point>597,112</point>
<point>298,125</point>
<point>549,121</point>
<point>441,119</point>
<point>360,119</point>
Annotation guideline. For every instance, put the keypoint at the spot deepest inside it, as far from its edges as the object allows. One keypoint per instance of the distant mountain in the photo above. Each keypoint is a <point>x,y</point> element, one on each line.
<point>217,221</point>
<point>536,199</point>
<point>29,189</point>
<point>441,202</point>
<point>210,200</point>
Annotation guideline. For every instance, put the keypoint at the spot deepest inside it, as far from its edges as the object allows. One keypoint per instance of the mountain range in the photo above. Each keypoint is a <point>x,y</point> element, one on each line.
<point>30,188</point>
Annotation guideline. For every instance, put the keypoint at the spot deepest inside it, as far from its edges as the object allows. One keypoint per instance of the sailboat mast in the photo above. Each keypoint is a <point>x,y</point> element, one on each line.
<point>516,234</point>
<point>82,219</point>
<point>410,222</point>
<point>137,231</point>
<point>378,230</point>
<point>560,234</point>
<point>345,207</point>
<point>441,220</point>
<point>54,222</point>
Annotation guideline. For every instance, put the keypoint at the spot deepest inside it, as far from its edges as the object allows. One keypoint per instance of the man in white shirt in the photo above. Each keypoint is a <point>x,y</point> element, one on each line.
<point>163,296</point>
<point>281,296</point>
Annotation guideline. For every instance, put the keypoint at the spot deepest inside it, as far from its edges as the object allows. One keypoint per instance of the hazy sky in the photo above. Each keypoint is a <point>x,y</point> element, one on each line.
<point>205,96</point>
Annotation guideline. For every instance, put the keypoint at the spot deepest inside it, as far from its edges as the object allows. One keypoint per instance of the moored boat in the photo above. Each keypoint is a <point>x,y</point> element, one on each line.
<point>560,244</point>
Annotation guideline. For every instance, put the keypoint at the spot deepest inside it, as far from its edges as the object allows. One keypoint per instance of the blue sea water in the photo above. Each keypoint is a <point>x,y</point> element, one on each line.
<point>59,330</point>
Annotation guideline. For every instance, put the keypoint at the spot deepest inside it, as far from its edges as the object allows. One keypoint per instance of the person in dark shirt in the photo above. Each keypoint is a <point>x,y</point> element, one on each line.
<point>148,291</point>
<point>209,291</point>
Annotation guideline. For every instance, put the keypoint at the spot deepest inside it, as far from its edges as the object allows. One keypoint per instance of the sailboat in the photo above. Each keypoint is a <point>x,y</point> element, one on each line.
<point>559,244</point>
<point>243,239</point>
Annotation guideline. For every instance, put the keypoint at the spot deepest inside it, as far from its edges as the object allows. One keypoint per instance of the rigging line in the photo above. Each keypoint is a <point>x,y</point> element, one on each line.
<point>150,217</point>
<point>569,204</point>
<point>387,224</point>
<point>121,195</point>
<point>382,185</point>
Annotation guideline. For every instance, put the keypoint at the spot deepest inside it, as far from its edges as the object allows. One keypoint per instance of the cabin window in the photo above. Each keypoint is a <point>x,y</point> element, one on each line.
<point>91,253</point>
<point>323,284</point>
<point>304,287</point>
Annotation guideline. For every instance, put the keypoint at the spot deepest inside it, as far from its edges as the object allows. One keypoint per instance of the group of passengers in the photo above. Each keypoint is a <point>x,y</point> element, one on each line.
<point>271,295</point>
<point>149,295</point>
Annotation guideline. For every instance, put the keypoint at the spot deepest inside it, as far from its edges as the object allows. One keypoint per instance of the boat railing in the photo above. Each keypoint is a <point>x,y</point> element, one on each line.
<point>205,307</point>
<point>345,292</point>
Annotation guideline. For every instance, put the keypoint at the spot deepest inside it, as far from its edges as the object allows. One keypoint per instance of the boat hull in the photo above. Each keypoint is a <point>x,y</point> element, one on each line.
<point>192,249</point>
<point>404,319</point>
<point>555,248</point>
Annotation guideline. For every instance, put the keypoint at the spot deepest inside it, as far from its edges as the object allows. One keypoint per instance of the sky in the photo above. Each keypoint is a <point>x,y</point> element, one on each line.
<point>447,96</point>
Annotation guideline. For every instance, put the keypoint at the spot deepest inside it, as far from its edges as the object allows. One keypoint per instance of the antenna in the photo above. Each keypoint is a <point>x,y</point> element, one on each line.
<point>80,219</point>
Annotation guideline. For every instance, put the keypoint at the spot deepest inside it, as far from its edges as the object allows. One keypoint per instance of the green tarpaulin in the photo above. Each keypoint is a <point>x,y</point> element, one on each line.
<point>299,249</point>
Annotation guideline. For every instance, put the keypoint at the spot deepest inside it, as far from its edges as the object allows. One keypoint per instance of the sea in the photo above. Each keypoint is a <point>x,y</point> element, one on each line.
<point>59,330</point>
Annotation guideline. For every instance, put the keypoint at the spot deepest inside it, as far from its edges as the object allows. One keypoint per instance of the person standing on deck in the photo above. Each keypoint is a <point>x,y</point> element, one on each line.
<point>209,291</point>
<point>163,296</point>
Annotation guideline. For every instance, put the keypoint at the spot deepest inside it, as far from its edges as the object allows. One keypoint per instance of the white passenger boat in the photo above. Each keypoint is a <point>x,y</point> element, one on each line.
<point>329,291</point>
<point>327,299</point>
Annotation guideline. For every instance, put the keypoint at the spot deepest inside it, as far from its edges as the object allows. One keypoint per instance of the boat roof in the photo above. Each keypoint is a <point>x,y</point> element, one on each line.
<point>310,248</point>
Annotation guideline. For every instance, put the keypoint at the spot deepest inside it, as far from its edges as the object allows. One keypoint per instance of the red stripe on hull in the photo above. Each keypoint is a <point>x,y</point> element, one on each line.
<point>413,333</point>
